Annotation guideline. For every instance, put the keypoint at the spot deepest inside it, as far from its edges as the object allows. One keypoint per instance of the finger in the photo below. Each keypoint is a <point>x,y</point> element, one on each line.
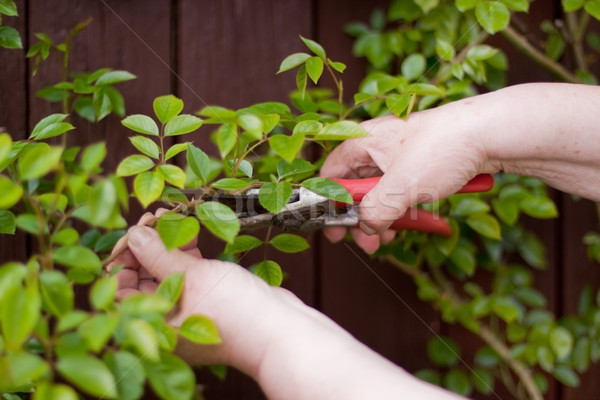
<point>125,293</point>
<point>335,233</point>
<point>147,219</point>
<point>387,236</point>
<point>369,244</point>
<point>148,248</point>
<point>126,259</point>
<point>148,286</point>
<point>127,279</point>
<point>346,160</point>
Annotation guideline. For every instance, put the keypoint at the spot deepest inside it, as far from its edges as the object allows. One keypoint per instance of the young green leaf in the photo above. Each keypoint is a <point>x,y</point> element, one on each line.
<point>231,184</point>
<point>57,293</point>
<point>444,50</point>
<point>146,146</point>
<point>171,378</point>
<point>341,130</point>
<point>78,257</point>
<point>175,230</point>
<point>148,187</point>
<point>112,77</point>
<point>182,124</point>
<point>242,243</point>
<point>176,149</point>
<point>23,369</point>
<point>93,156</point>
<point>171,287</point>
<point>11,193</point>
<point>5,148</point>
<point>167,107</point>
<point>143,338</point>
<point>198,162</point>
<point>458,382</point>
<point>36,161</point>
<point>130,373</point>
<point>88,374</point>
<point>314,68</point>
<point>8,8</point>
<point>485,225</point>
<point>51,126</point>
<point>219,219</point>
<point>508,309</point>
<point>226,137</point>
<point>314,47</point>
<point>10,38</point>
<point>338,66</point>
<point>141,304</point>
<point>308,127</point>
<point>134,164</point>
<point>270,272</point>
<point>292,61</point>
<point>443,351</point>
<point>97,330</point>
<point>18,315</point>
<point>328,188</point>
<point>102,294</point>
<point>493,16</point>
<point>200,329</point>
<point>566,375</point>
<point>561,342</point>
<point>398,103</point>
<point>252,125</point>
<point>8,222</point>
<point>141,124</point>
<point>289,243</point>
<point>172,174</point>
<point>301,80</point>
<point>275,196</point>
<point>286,146</point>
<point>295,168</point>
<point>413,66</point>
<point>538,207</point>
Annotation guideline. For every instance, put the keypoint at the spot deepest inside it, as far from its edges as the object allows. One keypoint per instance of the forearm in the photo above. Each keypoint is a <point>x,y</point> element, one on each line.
<point>319,360</point>
<point>548,131</point>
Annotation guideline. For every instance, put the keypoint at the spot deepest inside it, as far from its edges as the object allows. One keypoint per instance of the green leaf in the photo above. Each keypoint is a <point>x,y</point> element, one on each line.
<point>57,293</point>
<point>19,371</point>
<point>308,127</point>
<point>539,207</point>
<point>142,337</point>
<point>77,257</point>
<point>134,164</point>
<point>270,272</point>
<point>148,187</point>
<point>566,376</point>
<point>226,138</point>
<point>171,287</point>
<point>36,161</point>
<point>89,374</point>
<point>581,355</point>
<point>93,156</point>
<point>485,225</point>
<point>572,5</point>
<point>8,8</point>
<point>482,380</point>
<point>289,243</point>
<point>429,375</point>
<point>443,351</point>
<point>172,174</point>
<point>103,292</point>
<point>593,8</point>
<point>231,184</point>
<point>328,188</point>
<point>199,162</point>
<point>102,202</point>
<point>413,66</point>
<point>176,149</point>
<point>167,107</point>
<point>251,124</point>
<point>200,329</point>
<point>458,382</point>
<point>145,303</point>
<point>146,146</point>
<point>338,66</point>
<point>182,124</point>
<point>11,194</point>
<point>10,38</point>
<point>70,321</point>
<point>314,68</point>
<point>171,378</point>
<point>286,146</point>
<point>444,50</point>
<point>468,206</point>
<point>175,230</point>
<point>486,357</point>
<point>28,223</point>
<point>129,372</point>
<point>8,222</point>
<point>530,296</point>
<point>301,80</point>
<point>464,5</point>
<point>561,342</point>
<point>427,5</point>
<point>51,126</point>
<point>292,61</point>
<point>219,219</point>
<point>493,16</point>
<point>97,330</point>
<point>481,52</point>
<point>506,210</point>
<point>112,77</point>
<point>296,167</point>
<point>275,196</point>
<point>141,124</point>
<point>398,103</point>
<point>508,309</point>
<point>532,250</point>
<point>246,168</point>
<point>18,315</point>
<point>314,47</point>
<point>341,130</point>
<point>5,149</point>
<point>242,243</point>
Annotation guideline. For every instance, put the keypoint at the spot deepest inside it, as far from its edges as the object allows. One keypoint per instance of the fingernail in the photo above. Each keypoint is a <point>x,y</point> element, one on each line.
<point>366,229</point>
<point>138,236</point>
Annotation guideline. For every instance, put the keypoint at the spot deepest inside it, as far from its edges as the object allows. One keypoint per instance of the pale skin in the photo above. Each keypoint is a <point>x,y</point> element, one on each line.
<point>549,131</point>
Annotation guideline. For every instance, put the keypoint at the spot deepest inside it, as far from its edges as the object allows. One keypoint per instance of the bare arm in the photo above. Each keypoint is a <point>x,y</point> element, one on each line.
<point>548,131</point>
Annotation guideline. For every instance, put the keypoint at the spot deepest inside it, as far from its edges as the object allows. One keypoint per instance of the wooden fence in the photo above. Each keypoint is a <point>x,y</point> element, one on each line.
<point>226,52</point>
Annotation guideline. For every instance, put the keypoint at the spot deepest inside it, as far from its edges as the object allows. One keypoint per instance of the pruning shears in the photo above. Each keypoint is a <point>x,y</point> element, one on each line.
<point>307,210</point>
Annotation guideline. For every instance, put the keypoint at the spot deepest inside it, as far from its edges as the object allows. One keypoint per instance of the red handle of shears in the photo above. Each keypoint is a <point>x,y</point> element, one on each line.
<point>416,218</point>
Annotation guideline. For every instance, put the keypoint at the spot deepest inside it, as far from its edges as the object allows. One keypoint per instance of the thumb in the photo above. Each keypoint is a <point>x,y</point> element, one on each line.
<point>151,253</point>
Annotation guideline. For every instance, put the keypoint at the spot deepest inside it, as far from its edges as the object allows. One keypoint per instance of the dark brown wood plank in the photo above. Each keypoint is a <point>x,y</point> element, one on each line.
<point>13,114</point>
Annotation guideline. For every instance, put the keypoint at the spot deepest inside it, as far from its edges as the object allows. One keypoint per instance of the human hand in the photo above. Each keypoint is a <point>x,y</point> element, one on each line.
<point>429,156</point>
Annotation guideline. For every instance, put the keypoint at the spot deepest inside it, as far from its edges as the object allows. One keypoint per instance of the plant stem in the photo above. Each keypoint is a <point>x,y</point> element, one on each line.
<point>576,31</point>
<point>485,333</point>
<point>521,43</point>
<point>340,89</point>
